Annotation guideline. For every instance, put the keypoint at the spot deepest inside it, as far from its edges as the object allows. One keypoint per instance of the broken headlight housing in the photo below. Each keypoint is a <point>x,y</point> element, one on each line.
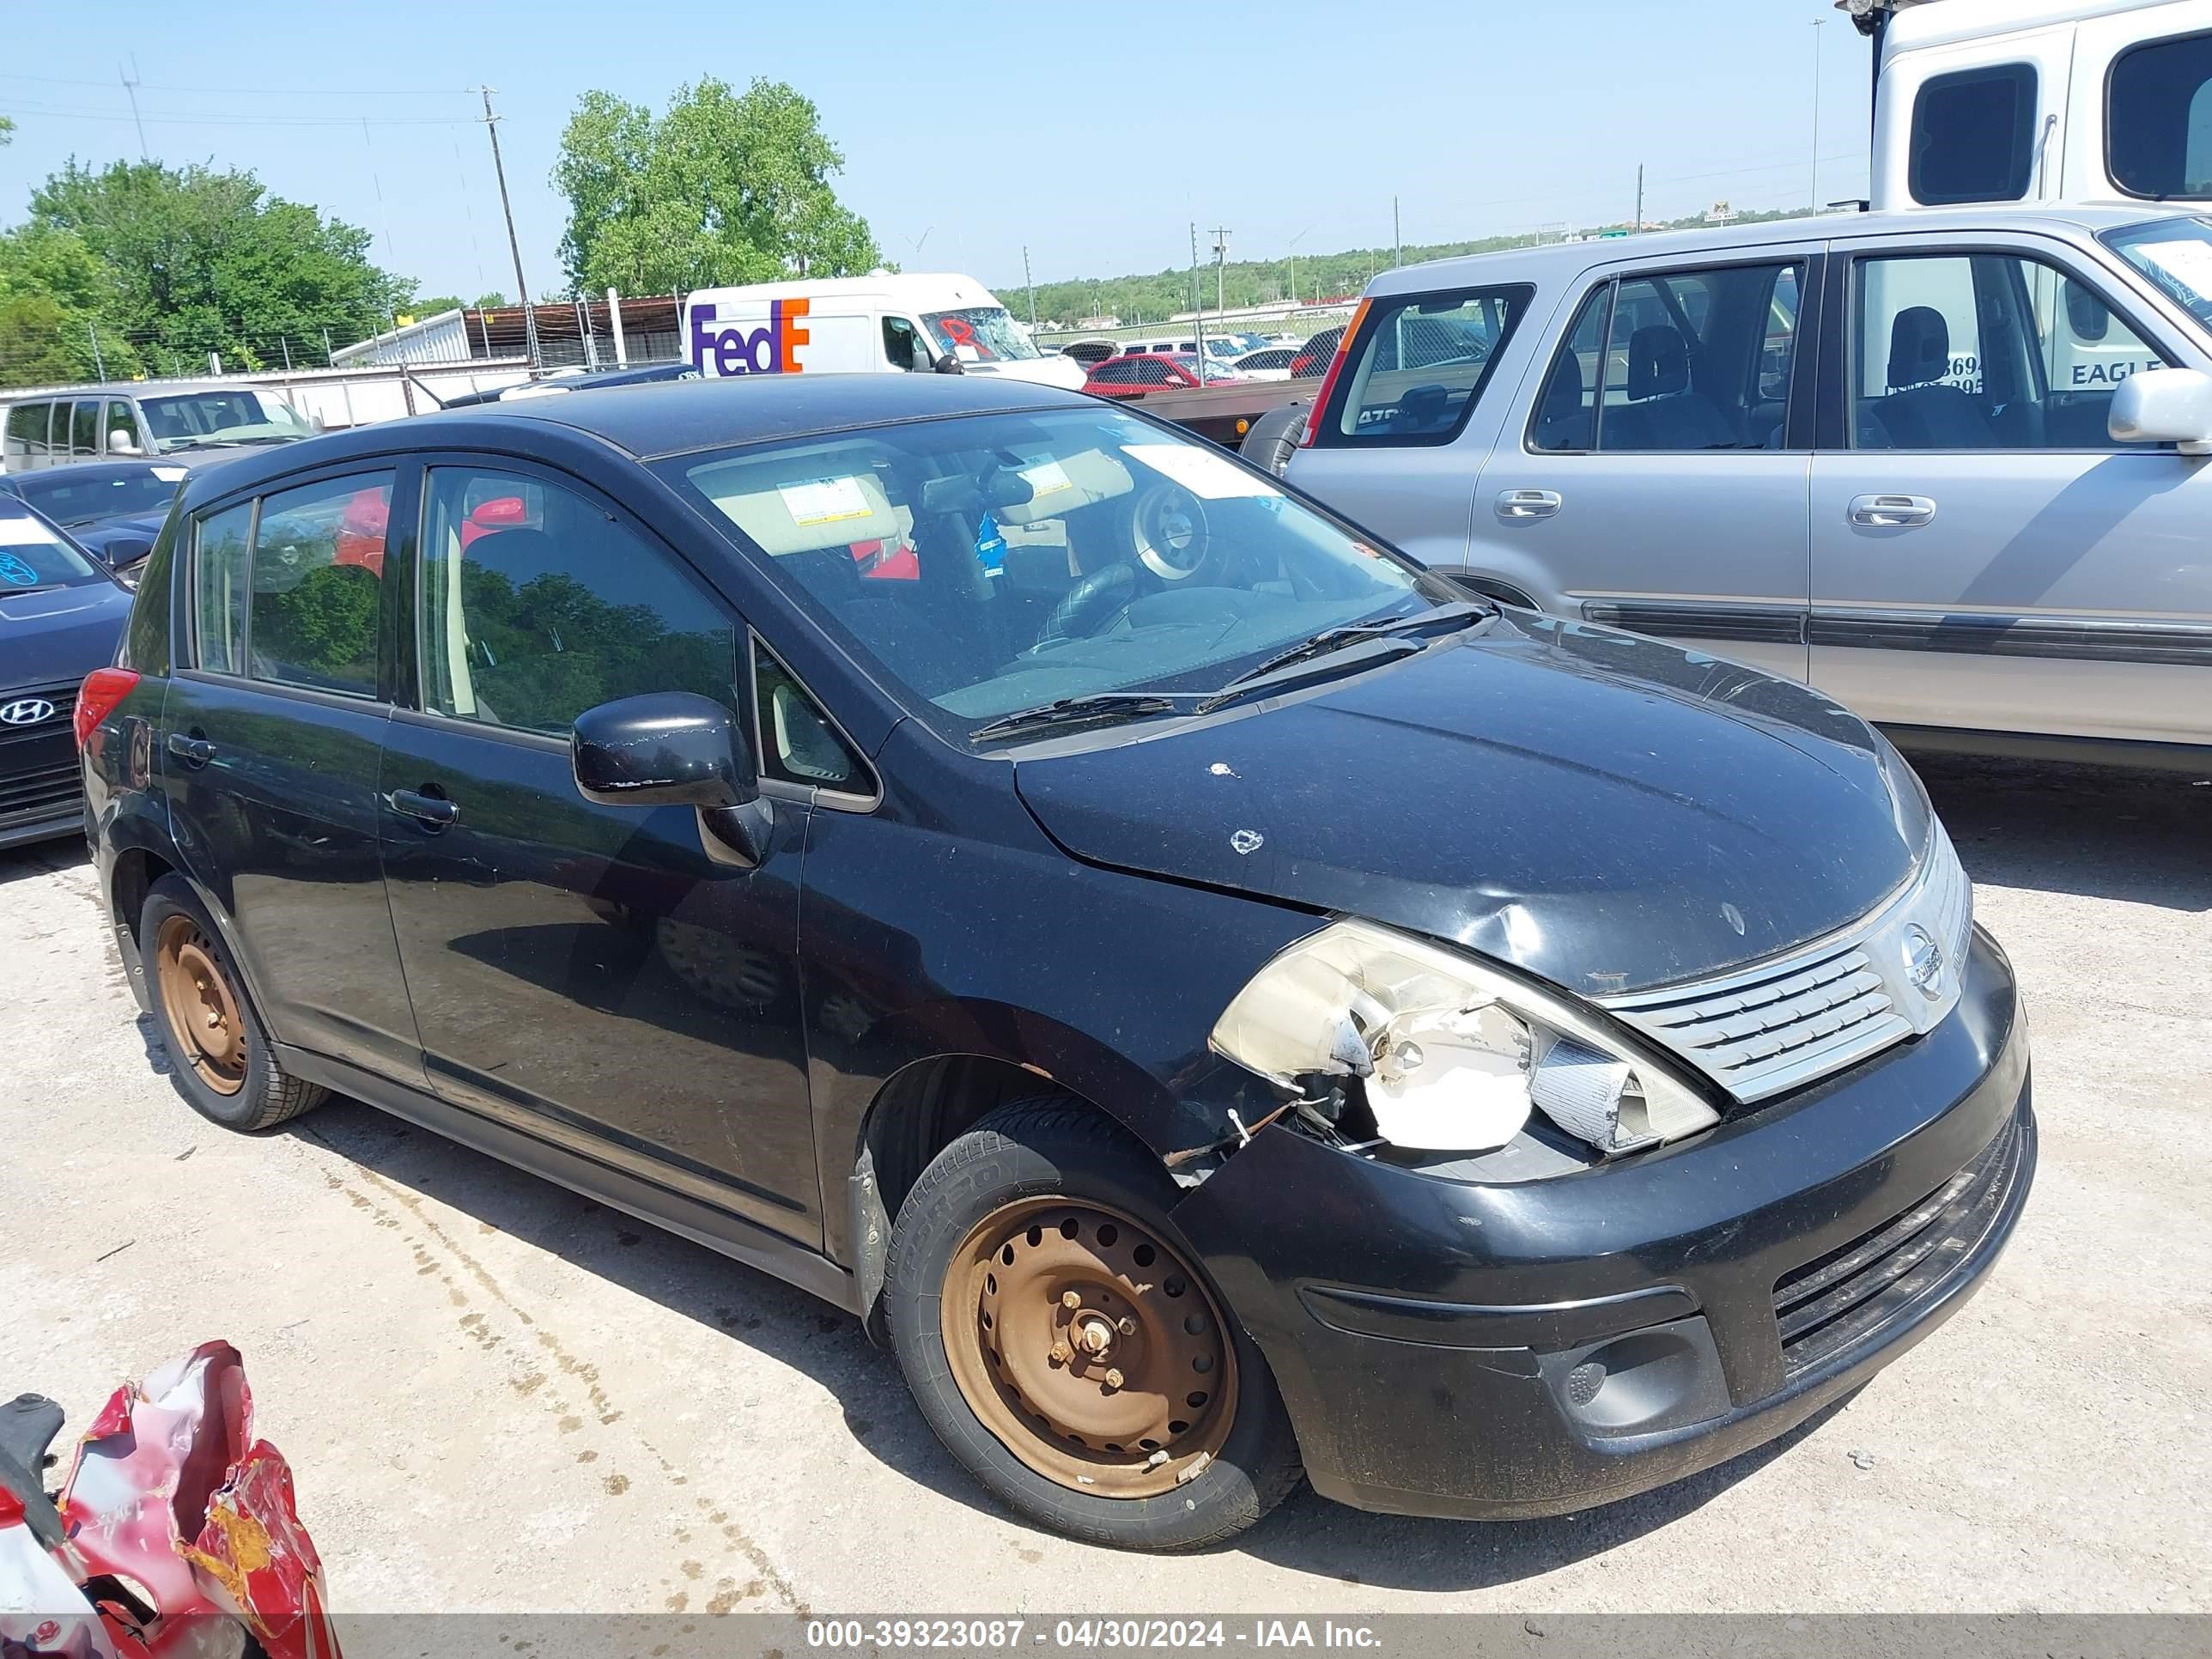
<point>1450,1055</point>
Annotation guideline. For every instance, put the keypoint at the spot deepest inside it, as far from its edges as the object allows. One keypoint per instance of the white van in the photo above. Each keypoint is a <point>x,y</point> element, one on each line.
<point>2013,100</point>
<point>864,325</point>
<point>134,418</point>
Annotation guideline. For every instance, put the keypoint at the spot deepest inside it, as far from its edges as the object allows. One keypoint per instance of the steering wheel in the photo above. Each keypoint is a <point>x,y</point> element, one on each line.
<point>1172,538</point>
<point>1095,600</point>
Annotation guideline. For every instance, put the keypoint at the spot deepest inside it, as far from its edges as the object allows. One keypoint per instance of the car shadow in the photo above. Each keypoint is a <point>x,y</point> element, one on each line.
<point>2095,831</point>
<point>1308,1533</point>
<point>42,858</point>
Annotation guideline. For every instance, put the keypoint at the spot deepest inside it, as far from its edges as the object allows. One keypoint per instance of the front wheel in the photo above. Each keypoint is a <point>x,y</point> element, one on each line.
<point>1067,1348</point>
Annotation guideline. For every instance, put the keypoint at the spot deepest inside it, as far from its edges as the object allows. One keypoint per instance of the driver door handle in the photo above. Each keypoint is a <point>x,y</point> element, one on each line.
<point>192,750</point>
<point>1891,512</point>
<point>435,811</point>
<point>1515,506</point>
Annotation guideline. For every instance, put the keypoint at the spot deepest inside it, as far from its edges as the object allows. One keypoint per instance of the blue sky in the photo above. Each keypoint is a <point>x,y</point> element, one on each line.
<point>1091,136</point>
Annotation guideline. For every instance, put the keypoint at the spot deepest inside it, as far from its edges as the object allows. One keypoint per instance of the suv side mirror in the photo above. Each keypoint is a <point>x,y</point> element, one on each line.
<point>2164,405</point>
<point>674,748</point>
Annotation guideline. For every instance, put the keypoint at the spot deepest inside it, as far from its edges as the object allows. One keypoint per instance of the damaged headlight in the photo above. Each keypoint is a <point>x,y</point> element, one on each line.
<point>1450,1056</point>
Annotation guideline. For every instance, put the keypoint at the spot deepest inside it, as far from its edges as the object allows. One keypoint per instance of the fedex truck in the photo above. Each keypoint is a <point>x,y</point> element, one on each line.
<point>2025,100</point>
<point>879,324</point>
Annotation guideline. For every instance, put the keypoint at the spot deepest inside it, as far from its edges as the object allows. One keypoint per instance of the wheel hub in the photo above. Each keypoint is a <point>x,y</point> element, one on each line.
<point>1086,1346</point>
<point>204,1022</point>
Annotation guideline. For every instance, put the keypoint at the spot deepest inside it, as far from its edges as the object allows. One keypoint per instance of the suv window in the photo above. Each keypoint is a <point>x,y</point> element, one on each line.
<point>797,742</point>
<point>1691,359</point>
<point>537,605</point>
<point>2158,117</point>
<point>1973,136</point>
<point>1418,364</point>
<point>84,430</point>
<point>221,542</point>
<point>318,566</point>
<point>1985,351</point>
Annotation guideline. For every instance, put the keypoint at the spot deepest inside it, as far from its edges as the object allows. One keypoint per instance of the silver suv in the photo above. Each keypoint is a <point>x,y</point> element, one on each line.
<point>1920,461</point>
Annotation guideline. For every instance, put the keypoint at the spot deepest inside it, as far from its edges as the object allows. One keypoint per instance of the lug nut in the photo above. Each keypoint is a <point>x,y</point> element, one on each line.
<point>1062,1352</point>
<point>1128,1325</point>
<point>1113,1377</point>
<point>1070,1300</point>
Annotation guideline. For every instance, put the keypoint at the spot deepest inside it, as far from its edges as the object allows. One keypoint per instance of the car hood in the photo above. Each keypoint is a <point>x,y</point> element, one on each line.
<point>1604,812</point>
<point>121,541</point>
<point>63,634</point>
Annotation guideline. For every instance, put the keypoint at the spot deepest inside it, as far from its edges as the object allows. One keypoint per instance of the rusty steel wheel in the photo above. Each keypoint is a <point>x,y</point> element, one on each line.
<point>206,1026</point>
<point>1089,1348</point>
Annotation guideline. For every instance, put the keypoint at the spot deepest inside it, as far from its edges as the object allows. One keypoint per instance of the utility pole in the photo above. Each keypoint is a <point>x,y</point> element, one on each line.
<point>1028,282</point>
<point>1817,22</point>
<point>1220,267</point>
<point>1397,243</point>
<point>1197,303</point>
<point>514,243</point>
<point>131,90</point>
<point>1638,224</point>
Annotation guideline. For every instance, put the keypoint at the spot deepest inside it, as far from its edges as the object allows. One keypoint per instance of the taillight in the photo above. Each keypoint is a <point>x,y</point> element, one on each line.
<point>103,689</point>
<point>1329,381</point>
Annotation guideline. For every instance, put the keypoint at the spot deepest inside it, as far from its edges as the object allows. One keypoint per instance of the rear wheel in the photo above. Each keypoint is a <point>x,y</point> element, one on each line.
<point>220,1058</point>
<point>1067,1348</point>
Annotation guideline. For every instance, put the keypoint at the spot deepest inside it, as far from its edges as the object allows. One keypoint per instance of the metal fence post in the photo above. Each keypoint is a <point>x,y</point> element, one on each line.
<point>614,317</point>
<point>93,329</point>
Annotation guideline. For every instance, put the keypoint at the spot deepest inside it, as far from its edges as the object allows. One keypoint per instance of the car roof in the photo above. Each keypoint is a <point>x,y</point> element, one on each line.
<point>667,418</point>
<point>1559,260</point>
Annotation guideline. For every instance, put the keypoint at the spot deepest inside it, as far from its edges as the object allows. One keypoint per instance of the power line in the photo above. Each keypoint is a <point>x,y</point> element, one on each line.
<point>15,109</point>
<point>259,92</point>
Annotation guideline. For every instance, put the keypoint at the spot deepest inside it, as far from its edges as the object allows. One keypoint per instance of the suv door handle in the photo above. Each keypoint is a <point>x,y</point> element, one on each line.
<point>1516,505</point>
<point>435,811</point>
<point>193,750</point>
<point>1891,512</point>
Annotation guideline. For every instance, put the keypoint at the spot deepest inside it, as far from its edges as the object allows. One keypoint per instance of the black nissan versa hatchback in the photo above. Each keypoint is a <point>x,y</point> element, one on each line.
<point>1217,999</point>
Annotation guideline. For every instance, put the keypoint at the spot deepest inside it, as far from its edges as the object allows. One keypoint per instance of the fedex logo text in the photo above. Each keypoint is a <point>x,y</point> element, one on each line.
<point>720,349</point>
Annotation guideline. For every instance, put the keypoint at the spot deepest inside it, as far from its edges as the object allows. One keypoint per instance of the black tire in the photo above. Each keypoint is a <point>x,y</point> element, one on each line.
<point>1052,1146</point>
<point>264,1095</point>
<point>1273,436</point>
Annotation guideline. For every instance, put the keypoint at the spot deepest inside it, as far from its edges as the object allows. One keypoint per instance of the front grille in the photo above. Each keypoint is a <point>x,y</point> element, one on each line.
<point>1856,1288</point>
<point>1787,1022</point>
<point>64,698</point>
<point>28,797</point>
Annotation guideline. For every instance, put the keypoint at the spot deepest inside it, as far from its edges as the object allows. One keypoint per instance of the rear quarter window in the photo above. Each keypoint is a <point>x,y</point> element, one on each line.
<point>1418,364</point>
<point>1973,136</point>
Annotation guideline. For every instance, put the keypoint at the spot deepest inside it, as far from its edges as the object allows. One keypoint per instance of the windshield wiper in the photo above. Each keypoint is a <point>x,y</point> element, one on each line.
<point>1095,707</point>
<point>1458,614</point>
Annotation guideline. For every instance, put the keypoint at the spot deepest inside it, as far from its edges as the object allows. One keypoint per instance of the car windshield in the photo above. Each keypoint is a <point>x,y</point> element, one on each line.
<point>233,415</point>
<point>980,334</point>
<point>33,556</point>
<point>996,562</point>
<point>67,497</point>
<point>2174,254</point>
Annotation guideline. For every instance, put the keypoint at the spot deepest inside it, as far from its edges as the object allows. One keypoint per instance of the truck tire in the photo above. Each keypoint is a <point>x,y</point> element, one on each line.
<point>1273,436</point>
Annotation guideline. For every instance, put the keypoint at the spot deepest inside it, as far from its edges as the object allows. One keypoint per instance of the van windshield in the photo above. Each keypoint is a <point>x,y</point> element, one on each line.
<point>231,416</point>
<point>989,563</point>
<point>980,334</point>
<point>2176,254</point>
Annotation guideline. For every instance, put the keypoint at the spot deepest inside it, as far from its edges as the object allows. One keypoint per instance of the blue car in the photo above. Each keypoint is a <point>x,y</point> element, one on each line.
<point>112,509</point>
<point>61,611</point>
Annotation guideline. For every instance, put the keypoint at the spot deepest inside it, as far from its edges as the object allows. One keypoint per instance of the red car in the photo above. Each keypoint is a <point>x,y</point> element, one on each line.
<point>1135,373</point>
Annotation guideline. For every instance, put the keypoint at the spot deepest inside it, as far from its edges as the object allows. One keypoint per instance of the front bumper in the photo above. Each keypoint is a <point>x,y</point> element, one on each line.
<point>1496,1351</point>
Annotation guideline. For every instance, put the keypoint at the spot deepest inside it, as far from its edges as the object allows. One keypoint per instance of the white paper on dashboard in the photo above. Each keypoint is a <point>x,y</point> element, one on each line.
<point>1210,476</point>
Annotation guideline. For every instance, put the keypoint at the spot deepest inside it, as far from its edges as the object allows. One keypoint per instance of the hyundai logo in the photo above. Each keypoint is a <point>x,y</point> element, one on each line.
<point>26,711</point>
<point>1924,960</point>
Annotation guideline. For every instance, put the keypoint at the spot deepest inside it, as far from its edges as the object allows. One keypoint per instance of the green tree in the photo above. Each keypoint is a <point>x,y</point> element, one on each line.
<point>209,261</point>
<point>725,187</point>
<point>58,302</point>
<point>431,306</point>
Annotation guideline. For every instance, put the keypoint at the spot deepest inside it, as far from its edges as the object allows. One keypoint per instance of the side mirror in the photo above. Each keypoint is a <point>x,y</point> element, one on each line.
<point>947,363</point>
<point>2164,405</point>
<point>674,748</point>
<point>122,443</point>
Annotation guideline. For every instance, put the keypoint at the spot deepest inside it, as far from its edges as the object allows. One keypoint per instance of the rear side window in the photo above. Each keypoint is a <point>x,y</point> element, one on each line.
<point>2158,117</point>
<point>318,570</point>
<point>221,543</point>
<point>1973,136</point>
<point>27,430</point>
<point>1418,364</point>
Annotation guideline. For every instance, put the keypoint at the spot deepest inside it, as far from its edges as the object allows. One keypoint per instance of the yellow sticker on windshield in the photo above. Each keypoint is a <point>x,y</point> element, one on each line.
<point>823,500</point>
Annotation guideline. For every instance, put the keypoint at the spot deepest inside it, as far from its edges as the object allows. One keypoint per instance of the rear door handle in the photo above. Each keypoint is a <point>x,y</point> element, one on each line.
<point>436,810</point>
<point>1516,505</point>
<point>1891,512</point>
<point>192,750</point>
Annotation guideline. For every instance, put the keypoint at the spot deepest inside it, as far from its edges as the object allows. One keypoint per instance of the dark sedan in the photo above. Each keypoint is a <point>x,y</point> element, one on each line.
<point>1217,999</point>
